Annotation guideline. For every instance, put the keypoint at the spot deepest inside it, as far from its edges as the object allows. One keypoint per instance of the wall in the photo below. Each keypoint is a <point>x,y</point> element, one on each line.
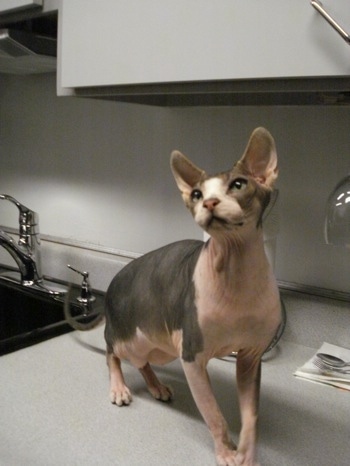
<point>98,171</point>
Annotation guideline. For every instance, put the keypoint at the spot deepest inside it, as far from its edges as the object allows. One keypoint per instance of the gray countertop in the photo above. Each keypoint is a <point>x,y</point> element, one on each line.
<point>55,411</point>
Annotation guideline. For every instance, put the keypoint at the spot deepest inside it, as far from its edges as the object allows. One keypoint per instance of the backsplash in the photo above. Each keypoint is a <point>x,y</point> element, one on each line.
<point>311,320</point>
<point>98,172</point>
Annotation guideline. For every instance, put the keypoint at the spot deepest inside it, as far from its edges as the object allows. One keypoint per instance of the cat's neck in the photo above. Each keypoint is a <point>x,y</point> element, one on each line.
<point>236,255</point>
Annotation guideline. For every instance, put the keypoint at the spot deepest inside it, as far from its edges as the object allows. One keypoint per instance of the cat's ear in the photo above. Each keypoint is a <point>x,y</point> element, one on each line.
<point>260,157</point>
<point>186,174</point>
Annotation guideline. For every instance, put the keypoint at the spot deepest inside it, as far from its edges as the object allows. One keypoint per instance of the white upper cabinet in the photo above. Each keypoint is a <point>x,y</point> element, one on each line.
<point>10,6</point>
<point>118,42</point>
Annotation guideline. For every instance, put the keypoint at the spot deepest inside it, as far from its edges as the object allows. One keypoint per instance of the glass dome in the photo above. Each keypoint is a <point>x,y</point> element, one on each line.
<point>337,226</point>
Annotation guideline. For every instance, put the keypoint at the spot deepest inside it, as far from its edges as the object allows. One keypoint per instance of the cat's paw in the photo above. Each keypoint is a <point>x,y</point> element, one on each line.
<point>161,392</point>
<point>226,454</point>
<point>120,396</point>
<point>244,460</point>
<point>226,458</point>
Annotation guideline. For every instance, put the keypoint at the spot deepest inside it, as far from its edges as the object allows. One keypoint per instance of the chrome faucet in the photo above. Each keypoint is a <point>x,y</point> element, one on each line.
<point>26,252</point>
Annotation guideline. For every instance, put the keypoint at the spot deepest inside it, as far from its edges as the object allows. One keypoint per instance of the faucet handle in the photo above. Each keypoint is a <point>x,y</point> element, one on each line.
<point>86,296</point>
<point>28,219</point>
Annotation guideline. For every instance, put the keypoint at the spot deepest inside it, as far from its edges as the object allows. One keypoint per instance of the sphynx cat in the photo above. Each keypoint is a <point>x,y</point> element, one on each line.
<point>196,301</point>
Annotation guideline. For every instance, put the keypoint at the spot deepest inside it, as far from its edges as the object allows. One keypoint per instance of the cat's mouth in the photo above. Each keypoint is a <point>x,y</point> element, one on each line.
<point>223,221</point>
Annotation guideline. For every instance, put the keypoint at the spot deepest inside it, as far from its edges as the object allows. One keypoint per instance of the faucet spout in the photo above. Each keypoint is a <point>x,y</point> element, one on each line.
<point>27,252</point>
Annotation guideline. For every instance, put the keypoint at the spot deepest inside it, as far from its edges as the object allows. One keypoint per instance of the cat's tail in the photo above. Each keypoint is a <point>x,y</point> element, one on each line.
<point>75,322</point>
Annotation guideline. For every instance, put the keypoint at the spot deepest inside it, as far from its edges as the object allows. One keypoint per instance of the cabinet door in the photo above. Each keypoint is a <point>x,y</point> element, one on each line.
<point>116,42</point>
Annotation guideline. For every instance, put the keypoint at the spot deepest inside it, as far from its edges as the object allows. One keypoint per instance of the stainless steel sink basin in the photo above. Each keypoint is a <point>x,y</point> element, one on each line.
<point>28,317</point>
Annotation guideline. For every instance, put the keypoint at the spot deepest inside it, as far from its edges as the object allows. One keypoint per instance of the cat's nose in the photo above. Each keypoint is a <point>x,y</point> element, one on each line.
<point>211,203</point>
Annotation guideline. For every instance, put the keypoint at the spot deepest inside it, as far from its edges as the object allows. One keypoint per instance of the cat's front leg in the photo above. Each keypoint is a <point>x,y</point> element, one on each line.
<point>248,373</point>
<point>198,380</point>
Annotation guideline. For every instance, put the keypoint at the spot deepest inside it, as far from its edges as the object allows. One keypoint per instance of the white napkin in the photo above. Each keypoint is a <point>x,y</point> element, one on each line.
<point>310,372</point>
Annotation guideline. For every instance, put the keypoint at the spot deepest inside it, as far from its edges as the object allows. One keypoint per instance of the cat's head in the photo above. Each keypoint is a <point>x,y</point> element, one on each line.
<point>230,201</point>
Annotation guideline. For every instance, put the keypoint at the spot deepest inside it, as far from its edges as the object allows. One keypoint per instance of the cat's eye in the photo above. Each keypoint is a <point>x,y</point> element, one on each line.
<point>196,194</point>
<point>238,184</point>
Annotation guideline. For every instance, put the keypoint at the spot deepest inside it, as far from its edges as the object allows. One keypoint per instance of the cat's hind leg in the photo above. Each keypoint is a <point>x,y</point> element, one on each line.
<point>119,393</point>
<point>158,390</point>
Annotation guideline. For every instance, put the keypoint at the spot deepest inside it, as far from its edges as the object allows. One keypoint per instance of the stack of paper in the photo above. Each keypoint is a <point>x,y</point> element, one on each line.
<point>327,376</point>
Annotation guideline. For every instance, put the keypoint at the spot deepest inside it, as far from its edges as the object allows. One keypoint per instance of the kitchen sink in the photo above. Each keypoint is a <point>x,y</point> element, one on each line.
<point>28,317</point>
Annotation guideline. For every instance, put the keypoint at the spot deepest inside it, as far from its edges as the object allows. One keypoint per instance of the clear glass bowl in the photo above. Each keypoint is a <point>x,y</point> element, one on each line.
<point>337,225</point>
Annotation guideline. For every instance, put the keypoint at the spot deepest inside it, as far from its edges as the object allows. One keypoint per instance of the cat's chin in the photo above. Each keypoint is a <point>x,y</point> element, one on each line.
<point>218,220</point>
<point>218,224</point>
